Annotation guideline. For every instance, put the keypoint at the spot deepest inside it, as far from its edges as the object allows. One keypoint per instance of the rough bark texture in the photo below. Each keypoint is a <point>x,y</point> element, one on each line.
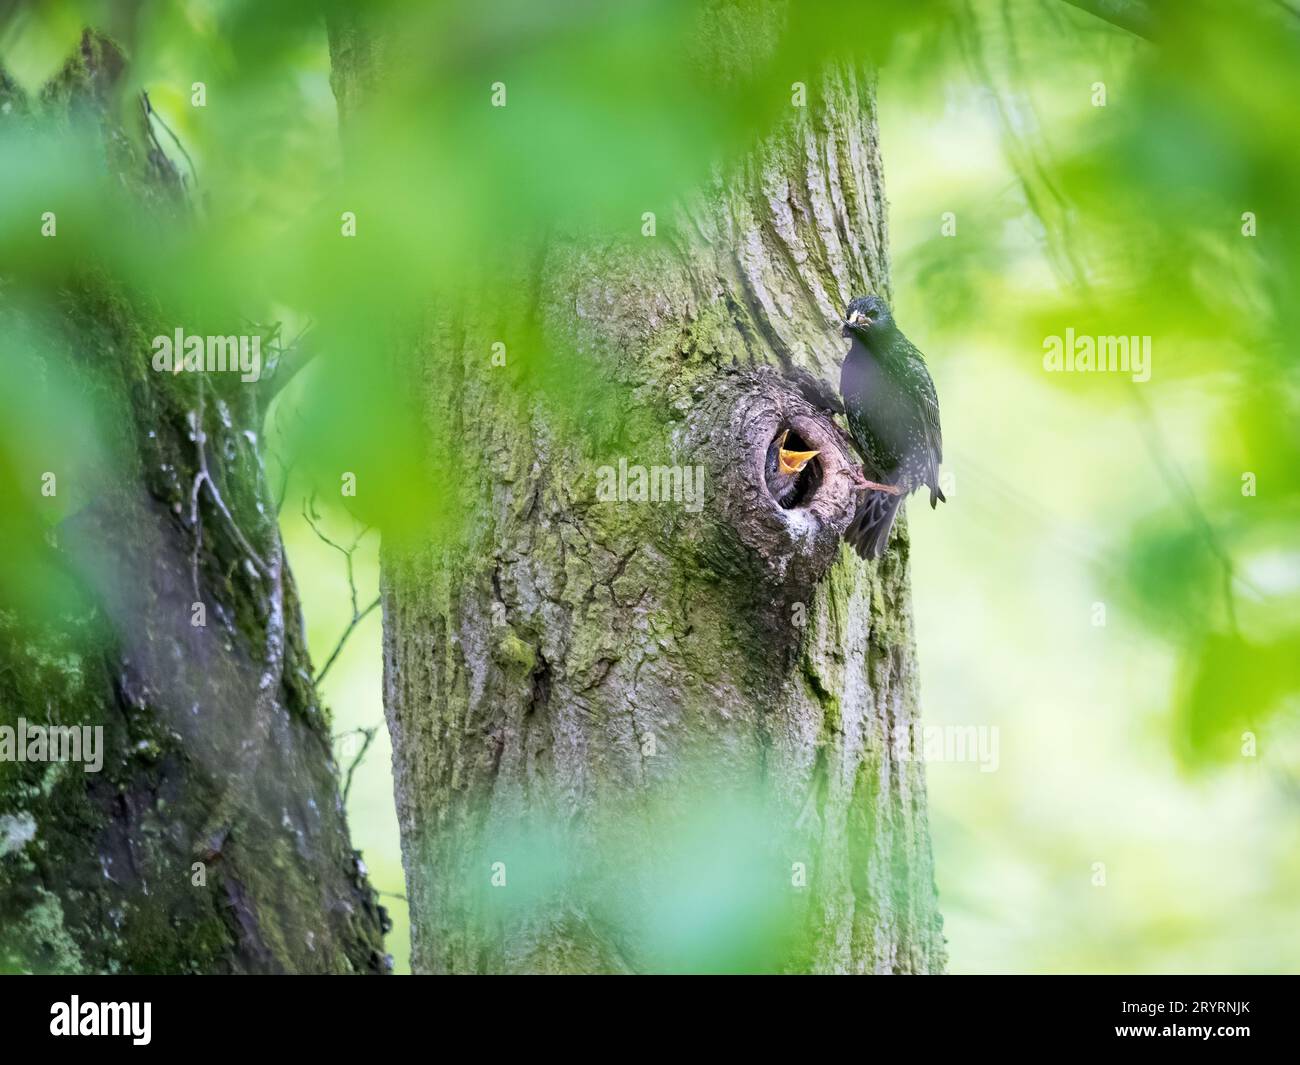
<point>217,750</point>
<point>575,676</point>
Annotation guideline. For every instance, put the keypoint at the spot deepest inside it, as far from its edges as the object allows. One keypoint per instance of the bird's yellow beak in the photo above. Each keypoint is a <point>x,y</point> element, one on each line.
<point>792,462</point>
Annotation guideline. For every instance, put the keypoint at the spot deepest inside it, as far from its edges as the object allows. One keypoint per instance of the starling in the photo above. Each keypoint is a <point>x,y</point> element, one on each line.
<point>783,469</point>
<point>893,415</point>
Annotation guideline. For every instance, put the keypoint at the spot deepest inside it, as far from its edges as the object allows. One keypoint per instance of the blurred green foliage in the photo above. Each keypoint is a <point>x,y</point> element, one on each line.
<point>1125,218</point>
<point>1168,210</point>
<point>1122,594</point>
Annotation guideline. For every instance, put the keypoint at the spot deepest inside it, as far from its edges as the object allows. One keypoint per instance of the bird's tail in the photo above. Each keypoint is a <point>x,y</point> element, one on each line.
<point>868,533</point>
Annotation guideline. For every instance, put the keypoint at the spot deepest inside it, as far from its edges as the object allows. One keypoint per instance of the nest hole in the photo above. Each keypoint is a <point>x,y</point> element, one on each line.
<point>790,496</point>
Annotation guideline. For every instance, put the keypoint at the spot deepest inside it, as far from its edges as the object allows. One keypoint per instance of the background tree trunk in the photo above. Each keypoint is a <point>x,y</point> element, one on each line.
<point>213,839</point>
<point>579,691</point>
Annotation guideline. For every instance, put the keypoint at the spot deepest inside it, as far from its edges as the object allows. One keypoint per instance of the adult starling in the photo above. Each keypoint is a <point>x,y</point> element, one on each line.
<point>893,415</point>
<point>783,469</point>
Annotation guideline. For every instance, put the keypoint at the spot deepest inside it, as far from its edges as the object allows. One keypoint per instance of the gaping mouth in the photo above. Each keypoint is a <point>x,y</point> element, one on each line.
<point>792,462</point>
<point>794,473</point>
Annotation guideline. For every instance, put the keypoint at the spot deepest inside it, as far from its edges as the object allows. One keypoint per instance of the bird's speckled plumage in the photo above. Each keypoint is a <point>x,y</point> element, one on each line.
<point>893,415</point>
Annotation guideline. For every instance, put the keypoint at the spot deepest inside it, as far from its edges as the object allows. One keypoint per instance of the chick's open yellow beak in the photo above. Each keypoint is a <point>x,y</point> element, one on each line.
<point>791,462</point>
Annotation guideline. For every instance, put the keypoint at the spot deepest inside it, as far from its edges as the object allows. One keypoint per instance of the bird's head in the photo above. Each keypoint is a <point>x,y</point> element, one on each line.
<point>867,316</point>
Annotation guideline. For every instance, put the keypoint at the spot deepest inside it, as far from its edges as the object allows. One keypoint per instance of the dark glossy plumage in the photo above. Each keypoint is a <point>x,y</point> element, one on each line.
<point>893,415</point>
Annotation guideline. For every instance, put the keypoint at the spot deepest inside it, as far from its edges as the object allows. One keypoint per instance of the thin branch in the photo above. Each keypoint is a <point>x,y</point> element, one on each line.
<point>282,438</point>
<point>1135,16</point>
<point>286,469</point>
<point>1139,19</point>
<point>153,114</point>
<point>1045,201</point>
<point>369,734</point>
<point>357,618</point>
<point>1288,9</point>
<point>286,367</point>
<point>358,615</point>
<point>1183,489</point>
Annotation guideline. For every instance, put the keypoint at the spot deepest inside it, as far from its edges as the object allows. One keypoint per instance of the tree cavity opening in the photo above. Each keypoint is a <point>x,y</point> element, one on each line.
<point>791,491</point>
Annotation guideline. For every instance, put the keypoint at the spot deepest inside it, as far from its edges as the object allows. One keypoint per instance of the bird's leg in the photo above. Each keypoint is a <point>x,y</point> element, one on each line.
<point>860,482</point>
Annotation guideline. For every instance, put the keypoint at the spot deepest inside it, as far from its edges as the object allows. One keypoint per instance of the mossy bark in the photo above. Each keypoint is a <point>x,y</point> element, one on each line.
<point>574,687</point>
<point>213,838</point>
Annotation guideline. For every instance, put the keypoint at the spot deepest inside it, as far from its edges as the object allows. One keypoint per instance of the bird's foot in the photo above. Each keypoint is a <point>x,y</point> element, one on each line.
<point>855,475</point>
<point>861,483</point>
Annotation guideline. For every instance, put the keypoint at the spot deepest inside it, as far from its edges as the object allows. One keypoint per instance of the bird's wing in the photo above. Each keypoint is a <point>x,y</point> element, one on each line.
<point>927,401</point>
<point>930,416</point>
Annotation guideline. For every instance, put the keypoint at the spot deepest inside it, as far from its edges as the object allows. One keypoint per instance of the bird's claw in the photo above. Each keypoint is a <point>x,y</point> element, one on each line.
<point>861,483</point>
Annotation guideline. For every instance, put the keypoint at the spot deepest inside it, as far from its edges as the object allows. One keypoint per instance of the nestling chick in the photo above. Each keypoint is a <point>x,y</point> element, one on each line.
<point>783,470</point>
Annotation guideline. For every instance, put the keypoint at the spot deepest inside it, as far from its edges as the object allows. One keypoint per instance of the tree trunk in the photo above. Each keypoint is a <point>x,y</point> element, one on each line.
<point>213,838</point>
<point>636,736</point>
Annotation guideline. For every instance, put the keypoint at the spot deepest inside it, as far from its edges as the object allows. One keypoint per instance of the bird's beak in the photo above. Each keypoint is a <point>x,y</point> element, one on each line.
<point>792,462</point>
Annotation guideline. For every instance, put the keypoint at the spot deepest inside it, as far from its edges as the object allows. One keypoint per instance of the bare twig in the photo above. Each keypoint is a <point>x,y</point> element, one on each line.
<point>286,469</point>
<point>1044,198</point>
<point>369,734</point>
<point>358,614</point>
<point>1136,17</point>
<point>1178,481</point>
<point>282,439</point>
<point>1287,8</point>
<point>287,367</point>
<point>1132,15</point>
<point>357,618</point>
<point>153,114</point>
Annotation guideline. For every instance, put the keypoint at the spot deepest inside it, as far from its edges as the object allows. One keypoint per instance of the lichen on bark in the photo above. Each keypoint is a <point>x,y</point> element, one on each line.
<point>213,838</point>
<point>605,677</point>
